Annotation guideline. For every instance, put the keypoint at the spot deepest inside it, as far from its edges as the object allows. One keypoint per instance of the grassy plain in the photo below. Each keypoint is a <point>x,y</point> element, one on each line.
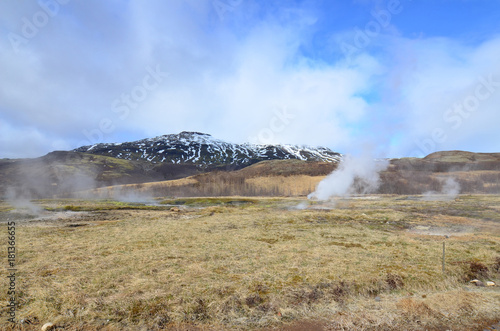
<point>364,263</point>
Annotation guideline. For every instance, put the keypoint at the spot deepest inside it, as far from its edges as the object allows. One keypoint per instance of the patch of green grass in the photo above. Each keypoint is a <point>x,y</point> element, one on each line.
<point>200,202</point>
<point>95,205</point>
<point>73,208</point>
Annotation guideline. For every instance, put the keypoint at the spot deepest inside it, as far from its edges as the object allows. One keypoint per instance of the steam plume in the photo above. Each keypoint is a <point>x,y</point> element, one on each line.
<point>449,190</point>
<point>21,202</point>
<point>354,175</point>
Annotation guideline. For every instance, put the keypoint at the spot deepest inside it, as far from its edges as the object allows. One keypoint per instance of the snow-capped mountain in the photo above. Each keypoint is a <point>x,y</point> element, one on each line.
<point>204,150</point>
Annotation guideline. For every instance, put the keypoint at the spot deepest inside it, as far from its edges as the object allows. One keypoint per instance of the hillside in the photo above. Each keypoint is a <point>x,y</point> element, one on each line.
<point>61,173</point>
<point>463,157</point>
<point>221,168</point>
<point>167,157</point>
<point>472,173</point>
<point>446,161</point>
<point>266,178</point>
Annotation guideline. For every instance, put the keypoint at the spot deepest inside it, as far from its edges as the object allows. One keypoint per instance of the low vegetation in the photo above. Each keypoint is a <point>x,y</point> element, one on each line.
<point>365,263</point>
<point>70,174</point>
<point>393,181</point>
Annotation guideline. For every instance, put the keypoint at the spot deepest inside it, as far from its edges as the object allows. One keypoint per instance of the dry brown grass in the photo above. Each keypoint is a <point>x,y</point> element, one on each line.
<point>286,185</point>
<point>217,184</point>
<point>262,263</point>
<point>143,188</point>
<point>297,182</point>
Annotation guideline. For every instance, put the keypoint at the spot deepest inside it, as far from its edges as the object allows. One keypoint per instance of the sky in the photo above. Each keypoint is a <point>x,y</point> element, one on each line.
<point>400,77</point>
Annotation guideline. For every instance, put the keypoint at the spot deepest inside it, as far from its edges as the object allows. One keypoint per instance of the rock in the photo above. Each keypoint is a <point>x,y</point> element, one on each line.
<point>480,283</point>
<point>377,299</point>
<point>48,326</point>
<point>477,282</point>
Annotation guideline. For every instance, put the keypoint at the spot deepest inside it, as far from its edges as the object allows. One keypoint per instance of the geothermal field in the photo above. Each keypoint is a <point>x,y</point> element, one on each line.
<point>220,165</point>
<point>363,262</point>
<point>356,244</point>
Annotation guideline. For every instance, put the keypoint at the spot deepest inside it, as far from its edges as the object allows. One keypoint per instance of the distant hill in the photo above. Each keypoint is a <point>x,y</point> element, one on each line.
<point>462,157</point>
<point>473,172</point>
<point>447,161</point>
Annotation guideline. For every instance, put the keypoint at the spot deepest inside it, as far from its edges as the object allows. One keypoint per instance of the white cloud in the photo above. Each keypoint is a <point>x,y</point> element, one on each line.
<point>229,78</point>
<point>433,77</point>
<point>18,142</point>
<point>267,73</point>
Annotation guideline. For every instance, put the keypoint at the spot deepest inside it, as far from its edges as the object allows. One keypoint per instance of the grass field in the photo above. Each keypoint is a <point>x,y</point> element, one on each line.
<point>364,263</point>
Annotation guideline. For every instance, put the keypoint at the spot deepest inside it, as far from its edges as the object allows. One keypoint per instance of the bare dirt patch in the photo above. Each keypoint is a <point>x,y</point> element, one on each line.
<point>442,231</point>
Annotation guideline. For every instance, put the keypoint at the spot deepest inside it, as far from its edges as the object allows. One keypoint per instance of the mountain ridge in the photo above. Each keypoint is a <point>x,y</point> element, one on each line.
<point>203,150</point>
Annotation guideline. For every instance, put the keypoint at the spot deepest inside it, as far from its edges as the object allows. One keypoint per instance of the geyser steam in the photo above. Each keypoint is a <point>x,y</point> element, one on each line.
<point>354,175</point>
<point>449,190</point>
<point>21,202</point>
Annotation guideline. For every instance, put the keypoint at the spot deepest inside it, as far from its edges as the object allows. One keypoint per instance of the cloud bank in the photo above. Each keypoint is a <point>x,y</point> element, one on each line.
<point>81,73</point>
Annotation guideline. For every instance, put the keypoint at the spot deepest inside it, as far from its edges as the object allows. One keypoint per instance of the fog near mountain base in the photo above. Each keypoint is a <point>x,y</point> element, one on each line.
<point>449,191</point>
<point>42,178</point>
<point>358,174</point>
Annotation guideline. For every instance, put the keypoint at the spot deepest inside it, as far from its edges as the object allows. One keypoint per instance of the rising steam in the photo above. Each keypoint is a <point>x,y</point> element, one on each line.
<point>354,175</point>
<point>449,190</point>
<point>21,202</point>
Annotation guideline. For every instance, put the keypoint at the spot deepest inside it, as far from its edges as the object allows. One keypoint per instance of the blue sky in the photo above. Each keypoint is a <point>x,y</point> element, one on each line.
<point>402,78</point>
